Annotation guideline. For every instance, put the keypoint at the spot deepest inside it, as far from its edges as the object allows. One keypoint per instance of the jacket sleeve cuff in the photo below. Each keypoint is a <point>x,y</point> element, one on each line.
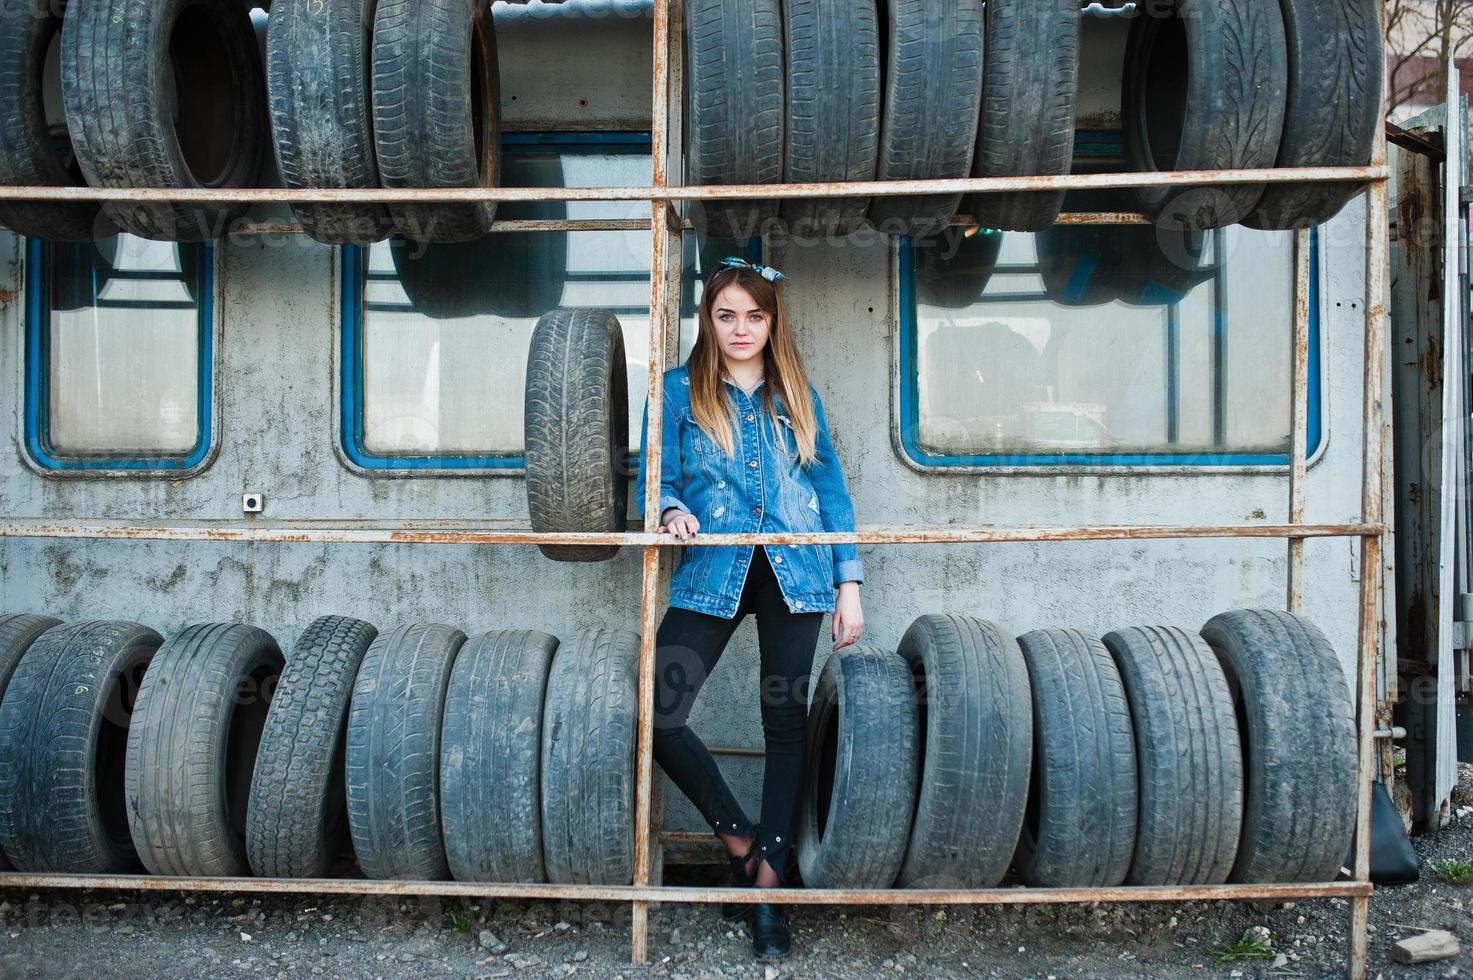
<point>667,502</point>
<point>848,570</point>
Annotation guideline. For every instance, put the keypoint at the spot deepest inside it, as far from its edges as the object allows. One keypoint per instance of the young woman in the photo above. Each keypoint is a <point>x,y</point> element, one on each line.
<point>746,448</point>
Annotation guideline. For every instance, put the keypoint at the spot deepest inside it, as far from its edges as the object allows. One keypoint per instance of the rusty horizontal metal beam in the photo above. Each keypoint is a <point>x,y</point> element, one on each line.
<point>669,893</point>
<point>515,532</point>
<point>868,188</point>
<point>641,224</point>
<point>501,225</point>
<point>1428,144</point>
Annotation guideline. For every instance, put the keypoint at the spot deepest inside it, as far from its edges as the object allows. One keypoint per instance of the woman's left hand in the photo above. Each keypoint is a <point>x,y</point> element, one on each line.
<point>848,616</point>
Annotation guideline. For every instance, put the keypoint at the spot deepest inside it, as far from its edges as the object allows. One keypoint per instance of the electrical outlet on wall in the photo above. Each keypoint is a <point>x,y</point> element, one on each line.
<point>252,503</point>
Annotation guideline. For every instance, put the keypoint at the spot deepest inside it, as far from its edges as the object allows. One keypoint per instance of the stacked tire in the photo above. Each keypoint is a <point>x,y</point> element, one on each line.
<point>353,94</point>
<point>415,753</point>
<point>1155,756</point>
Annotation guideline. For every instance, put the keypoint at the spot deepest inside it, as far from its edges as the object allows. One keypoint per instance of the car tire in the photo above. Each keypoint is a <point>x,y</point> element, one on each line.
<point>832,131</point>
<point>588,742</point>
<point>33,151</point>
<point>297,824</point>
<point>1332,108</point>
<point>393,752</point>
<point>735,110</point>
<point>1225,70</point>
<point>1188,757</point>
<point>861,771</point>
<point>436,111</point>
<point>931,92</point>
<point>577,429</point>
<point>1297,722</point>
<point>319,80</point>
<point>491,757</point>
<point>1083,786</point>
<point>1029,89</point>
<point>192,747</point>
<point>64,726</point>
<point>976,727</point>
<point>182,64</point>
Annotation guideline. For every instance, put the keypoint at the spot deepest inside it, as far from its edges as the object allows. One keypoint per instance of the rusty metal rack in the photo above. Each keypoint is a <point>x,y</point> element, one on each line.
<point>666,225</point>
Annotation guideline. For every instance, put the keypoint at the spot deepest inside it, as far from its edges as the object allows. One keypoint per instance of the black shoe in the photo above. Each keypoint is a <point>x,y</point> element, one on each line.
<point>771,938</point>
<point>738,878</point>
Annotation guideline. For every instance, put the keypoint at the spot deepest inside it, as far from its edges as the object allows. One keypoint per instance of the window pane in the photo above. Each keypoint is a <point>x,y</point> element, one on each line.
<point>446,328</point>
<point>123,345</point>
<point>1090,340</point>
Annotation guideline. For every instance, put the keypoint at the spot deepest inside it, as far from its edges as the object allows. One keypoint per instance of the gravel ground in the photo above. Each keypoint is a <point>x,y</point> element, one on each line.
<point>107,934</point>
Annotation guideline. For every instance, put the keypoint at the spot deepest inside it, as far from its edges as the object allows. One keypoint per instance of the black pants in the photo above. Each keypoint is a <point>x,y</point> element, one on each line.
<point>687,647</point>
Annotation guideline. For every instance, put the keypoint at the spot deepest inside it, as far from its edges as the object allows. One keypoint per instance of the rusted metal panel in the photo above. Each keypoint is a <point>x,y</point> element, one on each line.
<point>860,188</point>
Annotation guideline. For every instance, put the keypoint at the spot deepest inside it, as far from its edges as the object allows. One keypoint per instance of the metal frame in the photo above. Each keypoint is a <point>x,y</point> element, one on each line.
<point>666,223</point>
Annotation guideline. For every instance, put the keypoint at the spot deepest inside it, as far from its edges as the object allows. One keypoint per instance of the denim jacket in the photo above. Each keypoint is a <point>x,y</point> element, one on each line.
<point>761,489</point>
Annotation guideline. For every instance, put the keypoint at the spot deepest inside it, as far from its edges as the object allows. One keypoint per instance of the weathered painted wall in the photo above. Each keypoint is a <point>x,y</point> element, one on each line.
<point>275,384</point>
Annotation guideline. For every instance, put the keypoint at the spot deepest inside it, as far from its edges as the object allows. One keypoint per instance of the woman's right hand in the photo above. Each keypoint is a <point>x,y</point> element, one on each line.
<point>681,523</point>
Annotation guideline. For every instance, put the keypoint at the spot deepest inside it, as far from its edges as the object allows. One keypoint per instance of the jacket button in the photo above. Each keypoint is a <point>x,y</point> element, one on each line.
<point>751,418</point>
<point>721,483</point>
<point>798,604</point>
<point>752,463</point>
<point>756,510</point>
<point>777,559</point>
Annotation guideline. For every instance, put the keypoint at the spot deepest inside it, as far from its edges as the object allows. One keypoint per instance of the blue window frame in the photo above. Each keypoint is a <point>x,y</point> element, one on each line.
<point>1003,395</point>
<point>417,329</point>
<point>118,355</point>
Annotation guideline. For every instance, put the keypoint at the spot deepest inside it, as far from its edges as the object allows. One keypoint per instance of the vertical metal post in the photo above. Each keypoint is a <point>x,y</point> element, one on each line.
<point>650,577</point>
<point>1377,233</point>
<point>1299,418</point>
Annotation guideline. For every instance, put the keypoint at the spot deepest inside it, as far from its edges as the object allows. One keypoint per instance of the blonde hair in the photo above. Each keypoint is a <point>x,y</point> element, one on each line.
<point>782,368</point>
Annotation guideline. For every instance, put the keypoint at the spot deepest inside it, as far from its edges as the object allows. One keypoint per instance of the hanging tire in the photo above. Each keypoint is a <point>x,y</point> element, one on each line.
<point>1333,106</point>
<point>146,85</point>
<point>1081,265</point>
<point>1203,92</point>
<point>1189,765</point>
<point>491,757</point>
<point>318,59</point>
<point>35,151</point>
<point>297,823</point>
<point>588,740</point>
<point>860,773</point>
<point>393,752</point>
<point>436,111</point>
<point>1083,786</point>
<point>1029,87</point>
<point>976,745</point>
<point>833,110</point>
<point>735,110</point>
<point>63,739</point>
<point>577,429</point>
<point>1170,261</point>
<point>1297,722</point>
<point>931,92</point>
<point>958,281</point>
<point>192,748</point>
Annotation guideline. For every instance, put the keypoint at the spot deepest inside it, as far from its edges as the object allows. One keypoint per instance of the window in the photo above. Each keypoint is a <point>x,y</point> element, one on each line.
<point>435,337</point>
<point>1096,345</point>
<point>118,354</point>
